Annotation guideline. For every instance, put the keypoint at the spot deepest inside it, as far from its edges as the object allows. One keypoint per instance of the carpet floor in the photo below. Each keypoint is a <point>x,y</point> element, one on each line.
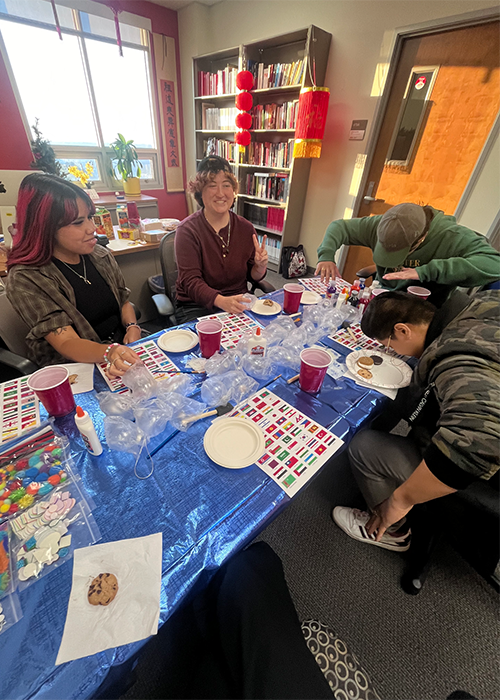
<point>414,647</point>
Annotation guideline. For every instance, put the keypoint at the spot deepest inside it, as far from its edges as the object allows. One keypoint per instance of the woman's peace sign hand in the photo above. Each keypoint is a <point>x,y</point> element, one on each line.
<point>260,256</point>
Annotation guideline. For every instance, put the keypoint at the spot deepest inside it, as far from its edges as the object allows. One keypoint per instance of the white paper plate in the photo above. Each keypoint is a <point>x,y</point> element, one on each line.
<point>391,374</point>
<point>234,443</point>
<point>179,340</point>
<point>309,297</point>
<point>262,310</point>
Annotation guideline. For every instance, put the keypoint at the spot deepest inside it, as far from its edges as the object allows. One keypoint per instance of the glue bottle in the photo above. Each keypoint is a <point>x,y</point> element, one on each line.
<point>342,298</point>
<point>87,430</point>
<point>258,344</point>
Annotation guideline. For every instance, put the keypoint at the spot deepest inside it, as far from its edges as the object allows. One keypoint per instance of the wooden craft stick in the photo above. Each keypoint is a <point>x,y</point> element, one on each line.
<point>292,379</point>
<point>192,419</point>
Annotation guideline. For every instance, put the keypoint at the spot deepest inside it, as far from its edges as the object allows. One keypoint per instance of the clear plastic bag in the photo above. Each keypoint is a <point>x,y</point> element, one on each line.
<point>284,356</point>
<point>274,333</point>
<point>242,386</point>
<point>259,367</point>
<point>10,612</point>
<point>215,391</point>
<point>220,363</point>
<point>29,474</point>
<point>68,525</point>
<point>123,435</point>
<point>180,383</point>
<point>186,408</point>
<point>286,322</point>
<point>6,563</point>
<point>152,417</point>
<point>140,381</point>
<point>115,404</point>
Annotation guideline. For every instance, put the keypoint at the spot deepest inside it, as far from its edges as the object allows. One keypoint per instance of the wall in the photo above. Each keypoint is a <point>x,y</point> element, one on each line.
<point>15,153</point>
<point>362,32</point>
<point>481,207</point>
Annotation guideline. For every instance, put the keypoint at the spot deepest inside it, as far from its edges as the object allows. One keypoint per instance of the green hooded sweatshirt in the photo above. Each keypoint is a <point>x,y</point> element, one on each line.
<point>450,256</point>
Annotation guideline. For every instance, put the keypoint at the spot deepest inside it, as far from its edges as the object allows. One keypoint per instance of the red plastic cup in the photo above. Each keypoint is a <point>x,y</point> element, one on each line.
<point>378,291</point>
<point>52,387</point>
<point>313,365</point>
<point>209,333</point>
<point>421,292</point>
<point>293,295</point>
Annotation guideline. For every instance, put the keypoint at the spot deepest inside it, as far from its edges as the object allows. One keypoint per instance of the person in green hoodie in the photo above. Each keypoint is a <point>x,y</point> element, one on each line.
<point>452,407</point>
<point>414,245</point>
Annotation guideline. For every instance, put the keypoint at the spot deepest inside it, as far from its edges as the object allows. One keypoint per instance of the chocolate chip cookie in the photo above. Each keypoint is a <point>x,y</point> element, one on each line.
<point>365,373</point>
<point>103,589</point>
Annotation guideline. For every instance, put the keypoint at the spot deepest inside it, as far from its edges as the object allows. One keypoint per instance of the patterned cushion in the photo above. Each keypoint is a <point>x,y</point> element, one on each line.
<point>341,668</point>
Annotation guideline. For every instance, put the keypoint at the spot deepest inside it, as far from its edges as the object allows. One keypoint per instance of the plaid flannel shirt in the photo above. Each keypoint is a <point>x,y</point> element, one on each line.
<point>45,300</point>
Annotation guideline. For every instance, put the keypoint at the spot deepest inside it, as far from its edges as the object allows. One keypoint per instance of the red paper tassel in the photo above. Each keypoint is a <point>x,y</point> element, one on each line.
<point>117,27</point>
<point>311,122</point>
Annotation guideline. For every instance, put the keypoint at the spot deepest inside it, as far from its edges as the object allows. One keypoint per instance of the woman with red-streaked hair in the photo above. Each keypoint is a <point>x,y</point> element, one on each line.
<point>68,290</point>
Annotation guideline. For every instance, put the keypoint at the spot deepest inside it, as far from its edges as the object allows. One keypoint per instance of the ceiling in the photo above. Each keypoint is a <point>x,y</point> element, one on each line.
<point>179,4</point>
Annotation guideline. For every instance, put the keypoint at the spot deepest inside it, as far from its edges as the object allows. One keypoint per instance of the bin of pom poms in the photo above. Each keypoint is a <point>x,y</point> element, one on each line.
<point>33,475</point>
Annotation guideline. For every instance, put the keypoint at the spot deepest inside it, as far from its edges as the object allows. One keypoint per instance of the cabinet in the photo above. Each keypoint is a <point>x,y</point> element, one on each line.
<point>272,184</point>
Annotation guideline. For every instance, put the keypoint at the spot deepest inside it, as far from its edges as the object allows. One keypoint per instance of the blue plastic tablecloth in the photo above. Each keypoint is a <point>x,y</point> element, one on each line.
<point>206,513</point>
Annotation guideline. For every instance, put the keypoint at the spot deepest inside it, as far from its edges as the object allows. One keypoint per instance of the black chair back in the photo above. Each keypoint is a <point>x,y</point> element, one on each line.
<point>169,265</point>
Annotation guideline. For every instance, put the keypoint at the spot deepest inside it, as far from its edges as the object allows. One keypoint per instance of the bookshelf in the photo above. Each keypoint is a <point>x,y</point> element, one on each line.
<point>272,184</point>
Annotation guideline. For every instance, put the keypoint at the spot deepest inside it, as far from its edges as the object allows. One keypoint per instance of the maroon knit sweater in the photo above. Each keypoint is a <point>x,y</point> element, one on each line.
<point>202,271</point>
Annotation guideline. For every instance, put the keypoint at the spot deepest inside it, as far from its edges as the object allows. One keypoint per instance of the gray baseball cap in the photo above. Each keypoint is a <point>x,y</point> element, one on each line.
<point>397,232</point>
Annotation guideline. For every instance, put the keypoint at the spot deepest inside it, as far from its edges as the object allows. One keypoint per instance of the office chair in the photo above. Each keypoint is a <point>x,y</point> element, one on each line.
<point>13,332</point>
<point>165,300</point>
<point>366,272</point>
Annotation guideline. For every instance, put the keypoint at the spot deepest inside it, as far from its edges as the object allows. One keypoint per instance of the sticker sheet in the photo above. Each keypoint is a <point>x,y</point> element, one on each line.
<point>155,360</point>
<point>363,341</point>
<point>296,446</point>
<point>235,326</point>
<point>19,410</point>
<point>314,284</point>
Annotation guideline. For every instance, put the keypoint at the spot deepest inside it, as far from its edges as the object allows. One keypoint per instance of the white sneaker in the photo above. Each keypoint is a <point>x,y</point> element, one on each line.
<point>353,522</point>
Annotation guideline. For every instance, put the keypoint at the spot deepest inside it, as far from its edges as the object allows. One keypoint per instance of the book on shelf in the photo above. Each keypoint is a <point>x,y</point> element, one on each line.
<point>223,82</point>
<point>276,74</point>
<point>275,116</point>
<point>217,118</point>
<point>267,186</point>
<point>273,247</point>
<point>220,147</point>
<point>273,155</point>
<point>264,215</point>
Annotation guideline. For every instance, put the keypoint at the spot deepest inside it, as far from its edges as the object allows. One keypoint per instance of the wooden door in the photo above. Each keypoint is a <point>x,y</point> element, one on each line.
<point>427,148</point>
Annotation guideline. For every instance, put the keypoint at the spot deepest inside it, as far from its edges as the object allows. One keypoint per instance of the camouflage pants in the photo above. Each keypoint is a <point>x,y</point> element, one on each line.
<point>381,462</point>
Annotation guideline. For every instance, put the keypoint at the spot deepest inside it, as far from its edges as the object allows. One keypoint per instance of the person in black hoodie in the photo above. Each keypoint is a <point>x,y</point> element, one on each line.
<point>452,406</point>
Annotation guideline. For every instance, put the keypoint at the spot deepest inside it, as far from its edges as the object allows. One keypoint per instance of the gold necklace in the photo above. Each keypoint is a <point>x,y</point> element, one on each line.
<point>225,247</point>
<point>82,277</point>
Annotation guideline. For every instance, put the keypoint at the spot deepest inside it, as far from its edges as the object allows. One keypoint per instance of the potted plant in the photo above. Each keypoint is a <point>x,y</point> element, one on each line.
<point>127,164</point>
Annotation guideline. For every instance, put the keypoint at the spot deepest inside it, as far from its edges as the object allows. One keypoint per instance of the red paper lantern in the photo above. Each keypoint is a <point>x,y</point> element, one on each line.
<point>243,120</point>
<point>244,101</point>
<point>242,138</point>
<point>311,121</point>
<point>244,80</point>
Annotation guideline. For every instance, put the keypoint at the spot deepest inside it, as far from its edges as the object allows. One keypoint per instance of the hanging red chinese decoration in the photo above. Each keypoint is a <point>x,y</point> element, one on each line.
<point>311,121</point>
<point>244,102</point>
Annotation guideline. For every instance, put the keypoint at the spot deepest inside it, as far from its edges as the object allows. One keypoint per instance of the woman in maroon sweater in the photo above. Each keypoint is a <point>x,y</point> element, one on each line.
<point>217,251</point>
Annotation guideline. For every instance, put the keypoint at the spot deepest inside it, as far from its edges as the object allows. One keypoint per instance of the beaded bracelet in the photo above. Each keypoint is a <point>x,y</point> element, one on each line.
<point>128,325</point>
<point>108,349</point>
